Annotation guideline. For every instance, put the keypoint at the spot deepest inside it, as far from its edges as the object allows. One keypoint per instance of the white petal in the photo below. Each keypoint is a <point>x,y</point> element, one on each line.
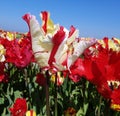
<point>41,44</point>
<point>79,48</point>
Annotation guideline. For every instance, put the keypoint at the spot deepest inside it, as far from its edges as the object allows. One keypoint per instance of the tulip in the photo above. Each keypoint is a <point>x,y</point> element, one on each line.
<point>54,46</point>
<point>2,53</point>
<point>30,113</point>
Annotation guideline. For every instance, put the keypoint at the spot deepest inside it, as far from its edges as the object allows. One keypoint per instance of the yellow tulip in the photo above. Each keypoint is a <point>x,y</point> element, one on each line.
<point>113,44</point>
<point>2,53</point>
<point>10,36</point>
<point>30,113</point>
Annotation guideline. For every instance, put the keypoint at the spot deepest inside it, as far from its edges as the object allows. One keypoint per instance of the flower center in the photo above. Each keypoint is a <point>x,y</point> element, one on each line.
<point>113,84</point>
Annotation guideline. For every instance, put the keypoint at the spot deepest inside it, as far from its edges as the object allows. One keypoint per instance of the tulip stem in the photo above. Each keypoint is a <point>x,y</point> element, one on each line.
<point>99,108</point>
<point>47,94</point>
<point>55,95</point>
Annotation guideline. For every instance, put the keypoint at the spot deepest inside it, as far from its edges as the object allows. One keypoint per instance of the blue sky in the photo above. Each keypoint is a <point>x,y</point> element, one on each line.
<point>93,18</point>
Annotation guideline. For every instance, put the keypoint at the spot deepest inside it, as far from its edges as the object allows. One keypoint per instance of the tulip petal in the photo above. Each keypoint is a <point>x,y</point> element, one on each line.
<point>41,44</point>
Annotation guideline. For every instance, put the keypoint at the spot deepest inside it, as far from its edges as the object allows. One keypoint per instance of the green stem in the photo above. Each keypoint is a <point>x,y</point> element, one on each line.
<point>47,94</point>
<point>27,82</point>
<point>99,108</point>
<point>107,109</point>
<point>55,96</point>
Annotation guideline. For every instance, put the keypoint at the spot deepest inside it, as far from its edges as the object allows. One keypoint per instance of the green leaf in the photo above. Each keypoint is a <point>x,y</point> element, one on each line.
<point>80,112</point>
<point>2,101</point>
<point>85,106</point>
<point>17,94</point>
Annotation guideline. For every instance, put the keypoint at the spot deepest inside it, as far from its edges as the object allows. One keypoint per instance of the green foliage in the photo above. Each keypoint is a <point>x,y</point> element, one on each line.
<point>81,96</point>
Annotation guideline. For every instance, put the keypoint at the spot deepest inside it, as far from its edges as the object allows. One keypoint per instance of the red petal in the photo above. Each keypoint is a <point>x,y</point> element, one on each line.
<point>57,40</point>
<point>72,30</point>
<point>44,15</point>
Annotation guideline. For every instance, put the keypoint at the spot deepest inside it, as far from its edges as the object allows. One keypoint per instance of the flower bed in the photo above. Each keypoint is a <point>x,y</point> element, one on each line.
<point>52,71</point>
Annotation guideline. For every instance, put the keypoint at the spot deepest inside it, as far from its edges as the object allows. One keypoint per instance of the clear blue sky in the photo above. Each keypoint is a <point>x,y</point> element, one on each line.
<point>93,18</point>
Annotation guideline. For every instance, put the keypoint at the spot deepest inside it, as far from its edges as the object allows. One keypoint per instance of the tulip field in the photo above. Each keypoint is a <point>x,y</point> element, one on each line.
<point>52,71</point>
